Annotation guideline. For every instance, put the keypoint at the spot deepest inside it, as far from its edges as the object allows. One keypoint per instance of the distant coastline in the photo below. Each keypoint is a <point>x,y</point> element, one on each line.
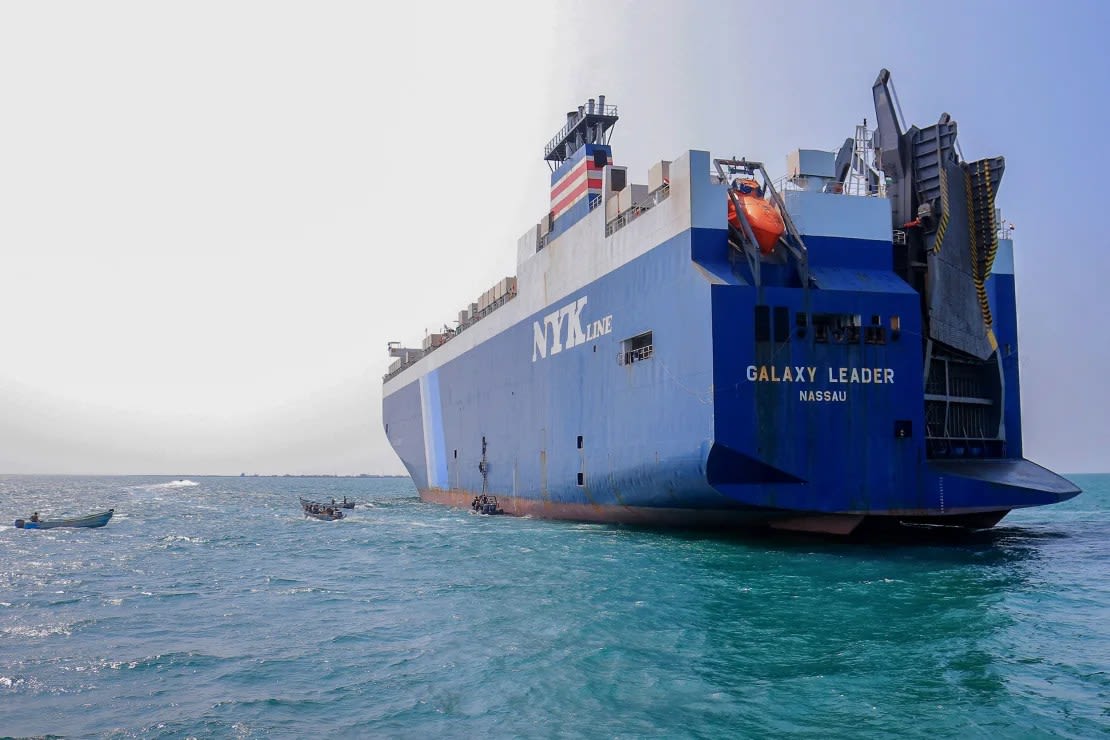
<point>198,475</point>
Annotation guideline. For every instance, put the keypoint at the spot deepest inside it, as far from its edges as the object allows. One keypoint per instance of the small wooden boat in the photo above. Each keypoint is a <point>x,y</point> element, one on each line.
<point>317,510</point>
<point>92,520</point>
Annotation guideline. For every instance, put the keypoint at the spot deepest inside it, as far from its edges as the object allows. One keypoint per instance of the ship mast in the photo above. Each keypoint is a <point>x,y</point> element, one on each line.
<point>590,124</point>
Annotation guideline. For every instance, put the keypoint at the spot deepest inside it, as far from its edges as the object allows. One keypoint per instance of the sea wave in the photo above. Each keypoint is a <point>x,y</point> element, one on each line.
<point>215,607</point>
<point>182,483</point>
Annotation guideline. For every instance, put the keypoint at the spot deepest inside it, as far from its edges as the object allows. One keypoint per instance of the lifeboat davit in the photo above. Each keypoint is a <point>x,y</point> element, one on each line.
<point>763,217</point>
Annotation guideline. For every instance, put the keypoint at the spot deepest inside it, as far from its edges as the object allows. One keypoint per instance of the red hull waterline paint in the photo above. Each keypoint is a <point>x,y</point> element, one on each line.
<point>838,524</point>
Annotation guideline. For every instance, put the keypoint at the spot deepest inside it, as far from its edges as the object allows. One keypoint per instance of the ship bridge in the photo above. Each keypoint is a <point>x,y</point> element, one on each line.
<point>590,124</point>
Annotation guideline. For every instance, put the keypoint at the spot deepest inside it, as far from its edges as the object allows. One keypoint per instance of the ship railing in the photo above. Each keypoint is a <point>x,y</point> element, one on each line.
<point>1005,229</point>
<point>451,334</point>
<point>637,209</point>
<point>858,188</point>
<point>471,321</point>
<point>492,307</point>
<point>403,366</point>
<point>635,355</point>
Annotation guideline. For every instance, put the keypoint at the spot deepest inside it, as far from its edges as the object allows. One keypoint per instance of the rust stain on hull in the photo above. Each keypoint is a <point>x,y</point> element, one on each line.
<point>835,523</point>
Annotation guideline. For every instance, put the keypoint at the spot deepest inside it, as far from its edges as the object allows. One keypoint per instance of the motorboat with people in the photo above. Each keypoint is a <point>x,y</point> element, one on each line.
<point>317,510</point>
<point>485,504</point>
<point>89,521</point>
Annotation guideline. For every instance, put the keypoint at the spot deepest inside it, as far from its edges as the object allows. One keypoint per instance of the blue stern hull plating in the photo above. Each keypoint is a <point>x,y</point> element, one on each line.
<point>684,436</point>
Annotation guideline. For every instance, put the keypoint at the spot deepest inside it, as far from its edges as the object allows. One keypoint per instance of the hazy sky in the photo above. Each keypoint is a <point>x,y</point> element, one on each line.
<point>215,215</point>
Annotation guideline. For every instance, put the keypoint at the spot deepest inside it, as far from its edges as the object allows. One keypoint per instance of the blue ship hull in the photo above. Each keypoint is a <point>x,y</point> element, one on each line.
<point>666,384</point>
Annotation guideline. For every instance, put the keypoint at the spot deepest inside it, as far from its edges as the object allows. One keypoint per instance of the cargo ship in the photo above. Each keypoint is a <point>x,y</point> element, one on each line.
<point>832,351</point>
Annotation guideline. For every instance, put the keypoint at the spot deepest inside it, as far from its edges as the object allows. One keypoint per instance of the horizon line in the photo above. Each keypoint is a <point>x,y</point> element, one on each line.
<point>217,475</point>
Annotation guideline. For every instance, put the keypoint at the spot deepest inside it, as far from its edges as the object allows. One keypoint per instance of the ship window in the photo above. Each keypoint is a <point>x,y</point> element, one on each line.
<point>636,348</point>
<point>581,479</point>
<point>456,454</point>
<point>616,179</point>
<point>801,321</point>
<point>762,323</point>
<point>895,327</point>
<point>782,324</point>
<point>836,328</point>
<point>852,334</point>
<point>820,330</point>
<point>579,441</point>
<point>875,334</point>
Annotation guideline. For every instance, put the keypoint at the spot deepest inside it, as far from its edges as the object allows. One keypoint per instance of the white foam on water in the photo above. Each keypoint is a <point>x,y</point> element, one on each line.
<point>183,483</point>
<point>33,631</point>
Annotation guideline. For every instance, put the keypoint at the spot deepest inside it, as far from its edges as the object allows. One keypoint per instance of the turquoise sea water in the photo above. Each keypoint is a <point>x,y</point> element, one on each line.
<point>216,610</point>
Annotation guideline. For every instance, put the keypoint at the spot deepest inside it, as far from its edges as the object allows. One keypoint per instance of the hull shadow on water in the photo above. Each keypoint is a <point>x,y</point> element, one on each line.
<point>931,542</point>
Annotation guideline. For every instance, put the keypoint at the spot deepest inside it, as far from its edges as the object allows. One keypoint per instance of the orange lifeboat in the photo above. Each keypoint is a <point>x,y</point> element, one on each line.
<point>763,217</point>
